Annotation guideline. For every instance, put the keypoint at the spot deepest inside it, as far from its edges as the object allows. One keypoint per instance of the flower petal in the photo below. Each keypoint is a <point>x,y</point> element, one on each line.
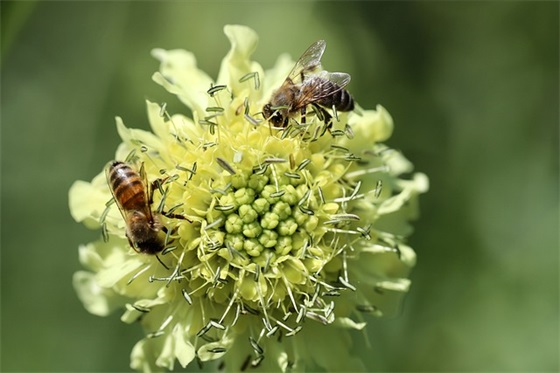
<point>237,62</point>
<point>166,357</point>
<point>184,350</point>
<point>179,75</point>
<point>348,323</point>
<point>97,300</point>
<point>144,355</point>
<point>214,350</point>
<point>87,200</point>
<point>324,346</point>
<point>369,127</point>
<point>274,77</point>
<point>136,137</point>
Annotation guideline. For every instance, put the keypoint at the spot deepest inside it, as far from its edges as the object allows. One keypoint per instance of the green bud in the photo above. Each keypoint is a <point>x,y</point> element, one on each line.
<point>270,220</point>
<point>267,192</point>
<point>244,196</point>
<point>287,227</point>
<point>247,214</point>
<point>239,181</point>
<point>282,209</point>
<point>268,238</point>
<point>300,216</point>
<point>290,197</point>
<point>228,200</point>
<point>252,230</point>
<point>261,205</point>
<point>311,223</point>
<point>234,224</point>
<point>235,241</point>
<point>257,182</point>
<point>253,247</point>
<point>284,245</point>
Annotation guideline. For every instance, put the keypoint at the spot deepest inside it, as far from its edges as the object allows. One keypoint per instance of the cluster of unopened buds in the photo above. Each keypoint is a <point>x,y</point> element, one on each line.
<point>257,231</point>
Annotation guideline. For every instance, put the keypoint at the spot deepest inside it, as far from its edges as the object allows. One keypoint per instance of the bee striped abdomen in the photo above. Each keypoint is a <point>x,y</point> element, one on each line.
<point>340,99</point>
<point>133,199</point>
<point>127,186</point>
<point>343,101</point>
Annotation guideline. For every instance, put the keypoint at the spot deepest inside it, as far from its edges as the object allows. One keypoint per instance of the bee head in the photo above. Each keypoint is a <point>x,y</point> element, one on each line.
<point>150,245</point>
<point>144,233</point>
<point>274,116</point>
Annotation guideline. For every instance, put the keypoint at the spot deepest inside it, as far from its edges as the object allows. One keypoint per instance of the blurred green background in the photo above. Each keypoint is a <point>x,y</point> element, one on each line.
<point>473,88</point>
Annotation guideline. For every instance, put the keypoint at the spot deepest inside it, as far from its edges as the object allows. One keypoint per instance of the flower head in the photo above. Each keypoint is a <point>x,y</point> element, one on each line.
<point>275,239</point>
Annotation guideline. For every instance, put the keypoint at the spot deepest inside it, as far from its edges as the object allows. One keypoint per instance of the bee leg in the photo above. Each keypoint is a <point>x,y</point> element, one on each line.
<point>162,263</point>
<point>327,121</point>
<point>303,112</point>
<point>175,216</point>
<point>324,116</point>
<point>156,184</point>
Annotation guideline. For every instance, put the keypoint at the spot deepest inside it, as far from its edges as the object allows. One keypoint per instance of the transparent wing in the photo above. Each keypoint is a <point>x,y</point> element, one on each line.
<point>148,193</point>
<point>323,84</point>
<point>117,202</point>
<point>340,79</point>
<point>309,61</point>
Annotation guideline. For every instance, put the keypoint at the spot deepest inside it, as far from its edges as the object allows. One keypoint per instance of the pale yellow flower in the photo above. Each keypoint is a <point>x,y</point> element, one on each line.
<point>292,237</point>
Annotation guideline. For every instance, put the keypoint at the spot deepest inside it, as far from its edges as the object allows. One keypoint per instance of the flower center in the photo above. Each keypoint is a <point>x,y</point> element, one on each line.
<point>268,224</point>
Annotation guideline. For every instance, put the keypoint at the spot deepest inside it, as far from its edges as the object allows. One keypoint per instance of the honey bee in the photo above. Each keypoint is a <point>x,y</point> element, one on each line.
<point>307,84</point>
<point>134,200</point>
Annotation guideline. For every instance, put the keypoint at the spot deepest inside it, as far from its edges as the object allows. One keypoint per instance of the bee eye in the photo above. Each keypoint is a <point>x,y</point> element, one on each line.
<point>277,119</point>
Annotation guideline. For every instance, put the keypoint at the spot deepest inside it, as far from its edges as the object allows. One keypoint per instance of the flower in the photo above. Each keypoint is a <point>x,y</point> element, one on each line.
<point>288,236</point>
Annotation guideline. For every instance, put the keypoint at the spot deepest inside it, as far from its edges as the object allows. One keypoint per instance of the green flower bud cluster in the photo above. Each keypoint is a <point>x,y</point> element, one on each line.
<point>265,216</point>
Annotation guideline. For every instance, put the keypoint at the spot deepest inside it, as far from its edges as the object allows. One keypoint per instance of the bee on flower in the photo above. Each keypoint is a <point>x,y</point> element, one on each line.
<point>274,236</point>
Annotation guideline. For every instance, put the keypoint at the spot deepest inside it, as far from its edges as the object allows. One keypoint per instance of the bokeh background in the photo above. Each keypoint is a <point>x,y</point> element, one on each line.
<point>473,88</point>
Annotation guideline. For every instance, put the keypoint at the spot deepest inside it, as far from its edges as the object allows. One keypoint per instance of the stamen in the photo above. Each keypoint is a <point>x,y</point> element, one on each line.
<point>162,110</point>
<point>294,331</point>
<point>226,166</point>
<point>217,350</point>
<point>138,274</point>
<point>140,308</point>
<point>255,363</point>
<point>215,89</point>
<point>224,208</point>
<point>159,333</point>
<point>215,109</point>
<point>186,296</point>
<point>357,173</point>
<point>303,164</point>
<point>378,187</point>
<point>258,349</point>
<point>254,121</point>
<point>274,160</point>
<point>252,75</point>
<point>214,224</point>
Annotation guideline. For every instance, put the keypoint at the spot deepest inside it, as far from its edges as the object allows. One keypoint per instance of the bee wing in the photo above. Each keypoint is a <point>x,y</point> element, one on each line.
<point>309,61</point>
<point>340,79</point>
<point>149,192</point>
<point>320,85</point>
<point>117,202</point>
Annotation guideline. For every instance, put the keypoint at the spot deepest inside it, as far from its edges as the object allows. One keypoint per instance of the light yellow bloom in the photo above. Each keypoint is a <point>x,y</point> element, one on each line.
<point>293,234</point>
